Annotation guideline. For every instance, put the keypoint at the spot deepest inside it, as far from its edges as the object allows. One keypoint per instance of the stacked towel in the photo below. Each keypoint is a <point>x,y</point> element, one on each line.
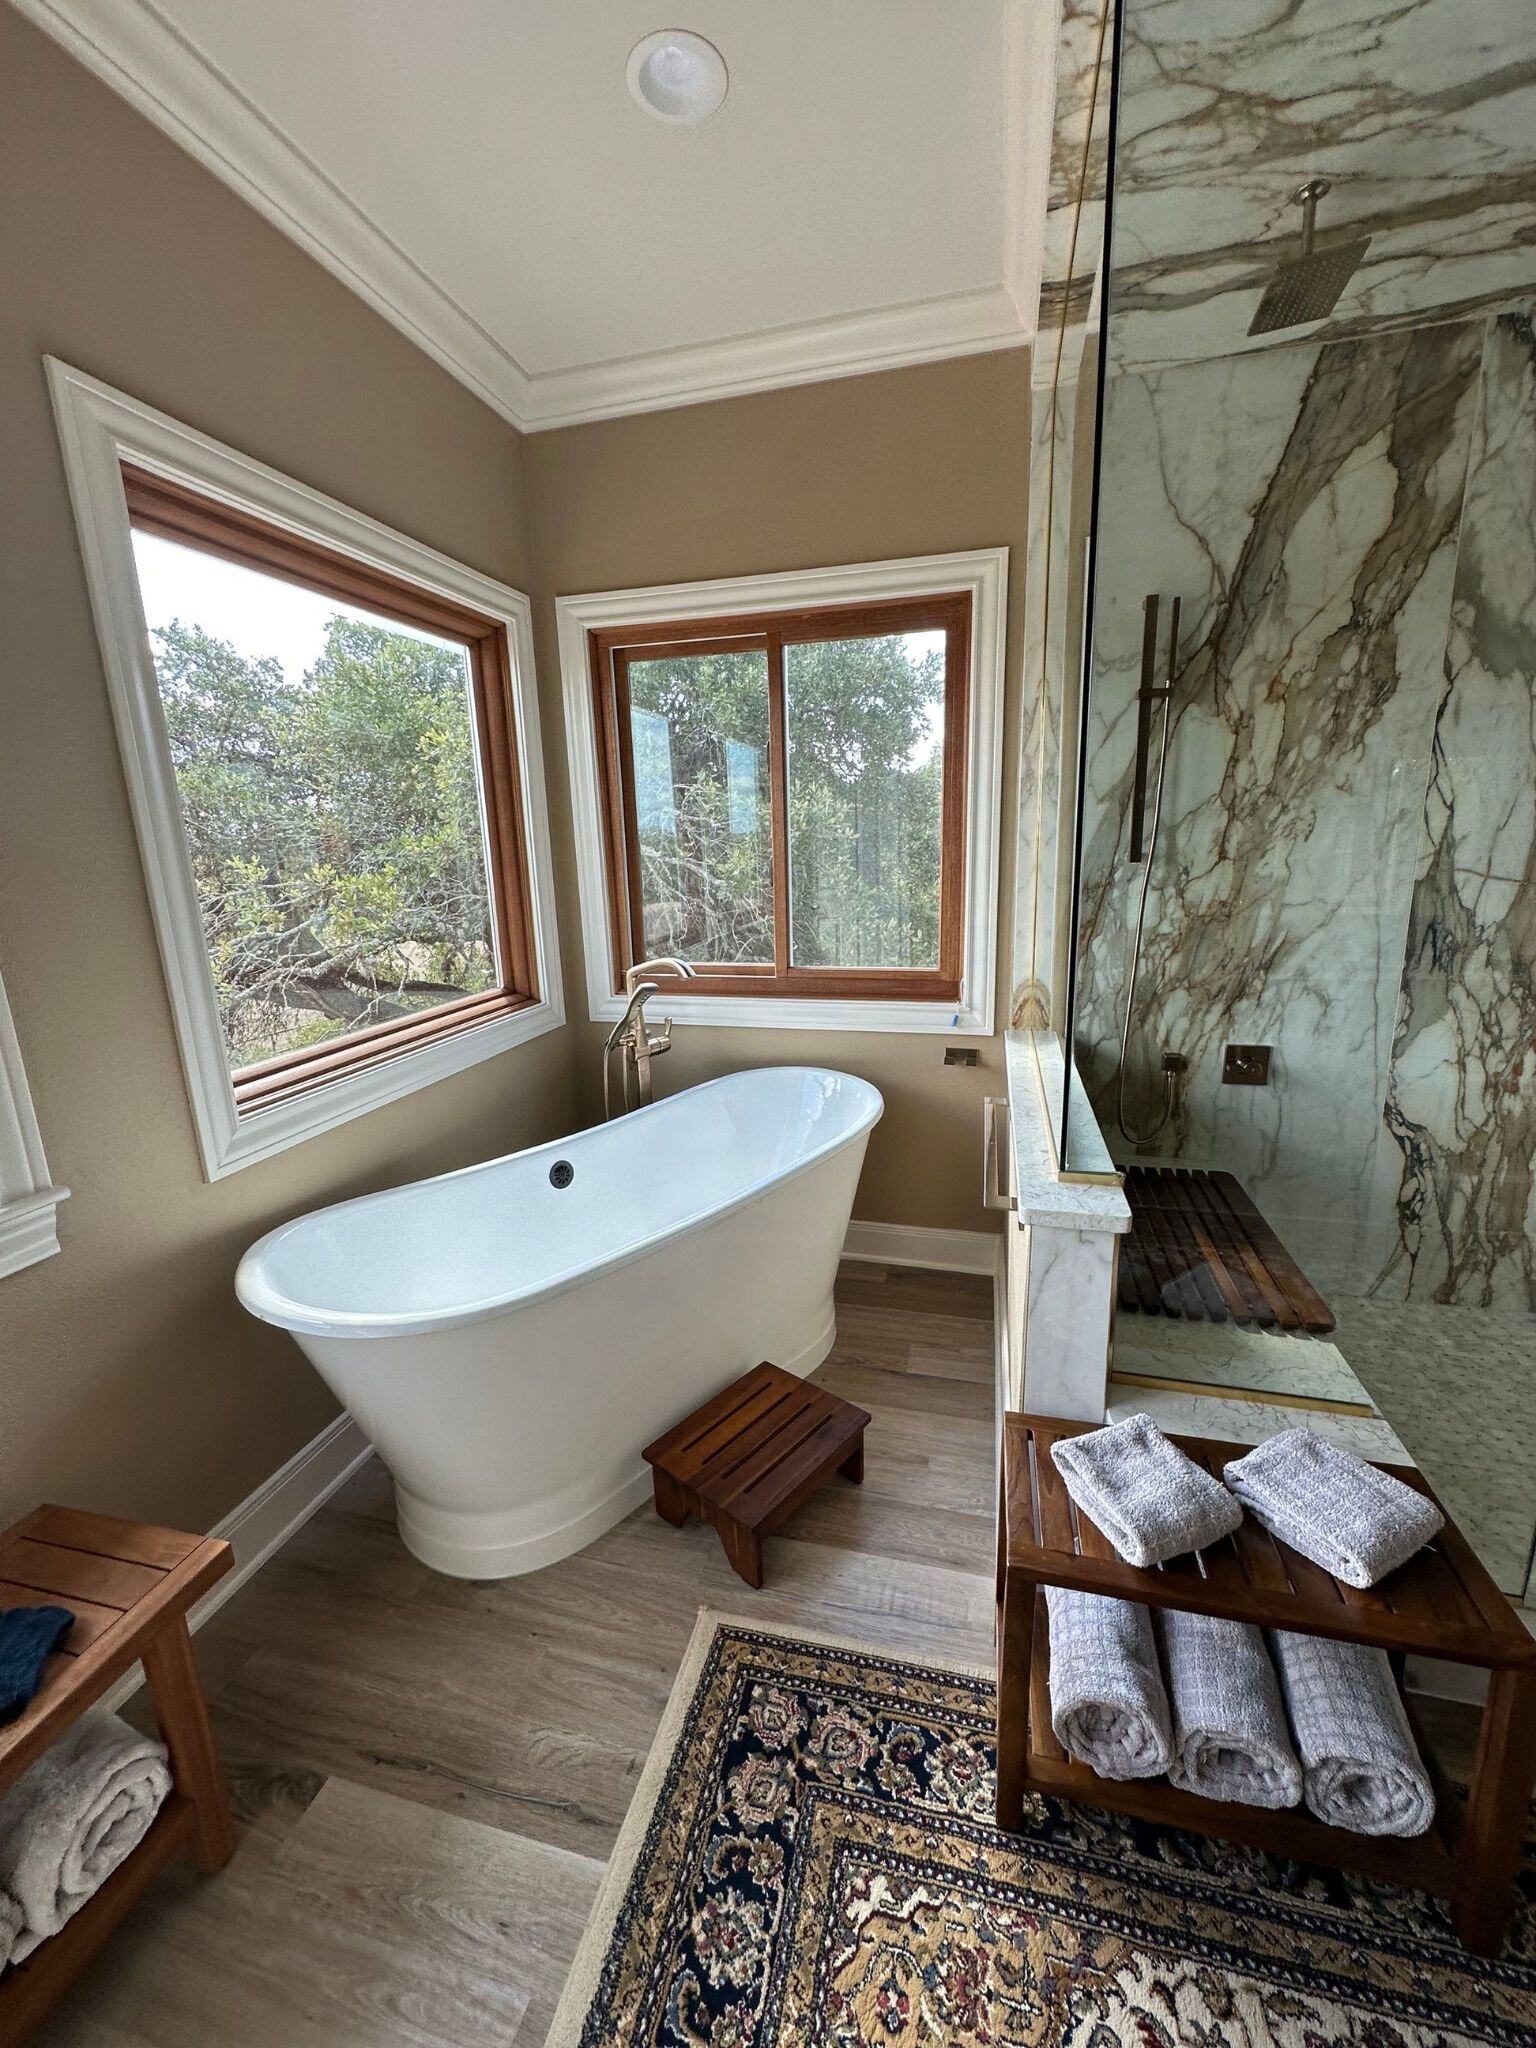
<point>69,1821</point>
<point>28,1638</point>
<point>1353,1520</point>
<point>1362,1766</point>
<point>1229,1733</point>
<point>1108,1707</point>
<point>1150,1500</point>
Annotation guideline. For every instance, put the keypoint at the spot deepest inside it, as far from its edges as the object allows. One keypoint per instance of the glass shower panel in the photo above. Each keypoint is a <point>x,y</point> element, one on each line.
<point>1302,994</point>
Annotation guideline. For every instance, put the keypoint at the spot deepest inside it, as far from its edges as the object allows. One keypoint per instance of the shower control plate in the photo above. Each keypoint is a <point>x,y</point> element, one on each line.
<point>1246,1066</point>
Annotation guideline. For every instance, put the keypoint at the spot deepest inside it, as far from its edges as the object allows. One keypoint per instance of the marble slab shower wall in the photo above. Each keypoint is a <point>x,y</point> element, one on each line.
<point>1060,456</point>
<point>1461,1104</point>
<point>1303,503</point>
<point>1421,112</point>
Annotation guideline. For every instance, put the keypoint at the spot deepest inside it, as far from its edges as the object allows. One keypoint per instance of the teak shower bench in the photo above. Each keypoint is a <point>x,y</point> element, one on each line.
<point>1199,1248</point>
<point>1440,1604</point>
<point>128,1586</point>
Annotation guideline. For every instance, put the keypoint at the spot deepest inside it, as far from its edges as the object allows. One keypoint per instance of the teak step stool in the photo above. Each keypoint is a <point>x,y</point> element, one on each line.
<point>1442,1603</point>
<point>747,1459</point>
<point>128,1586</point>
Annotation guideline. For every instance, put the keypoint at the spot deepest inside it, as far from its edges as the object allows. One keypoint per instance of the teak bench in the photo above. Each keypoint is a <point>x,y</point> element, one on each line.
<point>1198,1247</point>
<point>128,1586</point>
<point>747,1459</point>
<point>1442,1603</point>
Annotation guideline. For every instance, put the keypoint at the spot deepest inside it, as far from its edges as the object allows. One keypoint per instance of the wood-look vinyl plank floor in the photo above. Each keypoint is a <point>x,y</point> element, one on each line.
<point>428,1773</point>
<point>374,1921</point>
<point>938,1347</point>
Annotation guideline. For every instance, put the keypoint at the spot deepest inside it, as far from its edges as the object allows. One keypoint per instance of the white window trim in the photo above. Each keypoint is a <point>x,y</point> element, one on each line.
<point>28,1199</point>
<point>983,572</point>
<point>98,429</point>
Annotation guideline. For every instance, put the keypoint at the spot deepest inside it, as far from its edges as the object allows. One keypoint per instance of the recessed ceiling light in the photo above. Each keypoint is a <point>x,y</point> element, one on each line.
<point>677,76</point>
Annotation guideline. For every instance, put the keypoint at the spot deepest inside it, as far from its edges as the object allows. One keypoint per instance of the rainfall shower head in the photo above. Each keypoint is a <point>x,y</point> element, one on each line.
<point>1308,286</point>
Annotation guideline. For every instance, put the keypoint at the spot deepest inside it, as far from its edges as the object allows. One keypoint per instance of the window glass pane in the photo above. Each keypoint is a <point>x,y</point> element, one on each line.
<point>865,727</point>
<point>698,726</point>
<point>325,759</point>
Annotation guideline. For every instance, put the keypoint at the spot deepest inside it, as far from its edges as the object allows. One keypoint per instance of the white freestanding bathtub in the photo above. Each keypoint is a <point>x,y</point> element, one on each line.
<point>510,1336</point>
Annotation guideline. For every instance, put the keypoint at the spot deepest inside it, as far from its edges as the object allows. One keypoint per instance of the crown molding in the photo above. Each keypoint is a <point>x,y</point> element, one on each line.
<point>136,51</point>
<point>1031,33</point>
<point>924,331</point>
<point>131,46</point>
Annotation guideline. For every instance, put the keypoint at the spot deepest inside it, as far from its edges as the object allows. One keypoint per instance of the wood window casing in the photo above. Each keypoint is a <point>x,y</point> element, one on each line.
<point>173,512</point>
<point>610,650</point>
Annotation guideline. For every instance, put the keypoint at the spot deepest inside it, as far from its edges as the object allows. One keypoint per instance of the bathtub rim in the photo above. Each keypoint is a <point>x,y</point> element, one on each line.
<point>262,1300</point>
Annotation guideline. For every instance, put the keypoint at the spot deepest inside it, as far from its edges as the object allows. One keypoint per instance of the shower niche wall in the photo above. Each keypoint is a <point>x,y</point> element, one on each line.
<point>1329,1074</point>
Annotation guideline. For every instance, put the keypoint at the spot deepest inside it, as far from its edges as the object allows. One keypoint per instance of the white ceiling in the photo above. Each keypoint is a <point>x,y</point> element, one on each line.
<point>478,170</point>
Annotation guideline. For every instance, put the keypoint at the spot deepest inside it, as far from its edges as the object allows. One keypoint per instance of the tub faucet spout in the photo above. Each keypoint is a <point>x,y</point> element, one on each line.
<point>663,963</point>
<point>632,1039</point>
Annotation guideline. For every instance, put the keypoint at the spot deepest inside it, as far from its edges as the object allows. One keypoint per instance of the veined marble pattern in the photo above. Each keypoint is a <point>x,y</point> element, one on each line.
<point>1048,564</point>
<point>1252,1422</point>
<point>1422,113</point>
<point>1060,444</point>
<point>1304,505</point>
<point>1461,1103</point>
<point>1077,178</point>
<point>1217,1355</point>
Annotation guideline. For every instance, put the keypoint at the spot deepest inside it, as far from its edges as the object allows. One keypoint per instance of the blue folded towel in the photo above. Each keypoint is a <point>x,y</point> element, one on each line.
<point>28,1638</point>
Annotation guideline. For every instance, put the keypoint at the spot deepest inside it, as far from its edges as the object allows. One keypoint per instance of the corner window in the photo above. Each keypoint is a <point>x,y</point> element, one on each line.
<point>350,821</point>
<point>327,730</point>
<point>784,798</point>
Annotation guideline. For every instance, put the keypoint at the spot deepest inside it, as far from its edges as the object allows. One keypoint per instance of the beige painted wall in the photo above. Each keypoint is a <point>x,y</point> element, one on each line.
<point>906,462</point>
<point>130,1380</point>
<point>129,1377</point>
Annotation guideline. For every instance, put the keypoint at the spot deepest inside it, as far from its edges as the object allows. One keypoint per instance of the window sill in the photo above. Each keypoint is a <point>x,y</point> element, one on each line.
<point>804,1013</point>
<point>232,1138</point>
<point>29,1229</point>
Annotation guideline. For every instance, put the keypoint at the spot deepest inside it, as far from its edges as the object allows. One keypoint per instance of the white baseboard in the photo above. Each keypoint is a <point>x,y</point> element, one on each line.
<point>281,1506</point>
<point>909,1244</point>
<point>265,1519</point>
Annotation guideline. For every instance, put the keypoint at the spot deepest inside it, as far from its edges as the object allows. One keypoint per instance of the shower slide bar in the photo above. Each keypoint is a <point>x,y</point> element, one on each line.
<point>1151,693</point>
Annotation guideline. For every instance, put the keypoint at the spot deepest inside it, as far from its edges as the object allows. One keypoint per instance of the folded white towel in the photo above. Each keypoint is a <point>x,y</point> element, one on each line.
<point>1355,1521</point>
<point>1362,1766</point>
<point>1229,1734</point>
<point>1108,1706</point>
<point>10,1927</point>
<point>69,1821</point>
<point>1151,1501</point>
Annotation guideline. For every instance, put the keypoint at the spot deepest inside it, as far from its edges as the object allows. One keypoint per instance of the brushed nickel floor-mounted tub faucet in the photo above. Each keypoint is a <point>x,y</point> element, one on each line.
<point>631,1037</point>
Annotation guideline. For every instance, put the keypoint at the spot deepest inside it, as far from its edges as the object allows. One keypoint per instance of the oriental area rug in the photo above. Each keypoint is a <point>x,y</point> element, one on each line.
<point>810,1862</point>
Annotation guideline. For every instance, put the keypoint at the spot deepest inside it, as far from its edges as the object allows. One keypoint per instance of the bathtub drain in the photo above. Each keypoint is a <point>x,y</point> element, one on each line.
<point>561,1174</point>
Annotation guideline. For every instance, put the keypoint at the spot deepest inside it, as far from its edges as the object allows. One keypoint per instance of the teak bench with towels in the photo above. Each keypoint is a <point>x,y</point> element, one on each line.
<point>1442,1603</point>
<point>129,1586</point>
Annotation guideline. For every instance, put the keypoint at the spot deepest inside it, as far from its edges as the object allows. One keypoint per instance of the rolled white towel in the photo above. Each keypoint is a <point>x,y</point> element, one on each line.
<point>1229,1733</point>
<point>1108,1707</point>
<point>10,1927</point>
<point>1362,1766</point>
<point>69,1821</point>
<point>1151,1501</point>
<point>1355,1521</point>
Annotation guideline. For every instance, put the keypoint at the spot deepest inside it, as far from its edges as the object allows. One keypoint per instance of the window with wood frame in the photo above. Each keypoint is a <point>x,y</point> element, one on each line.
<point>345,759</point>
<point>784,797</point>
